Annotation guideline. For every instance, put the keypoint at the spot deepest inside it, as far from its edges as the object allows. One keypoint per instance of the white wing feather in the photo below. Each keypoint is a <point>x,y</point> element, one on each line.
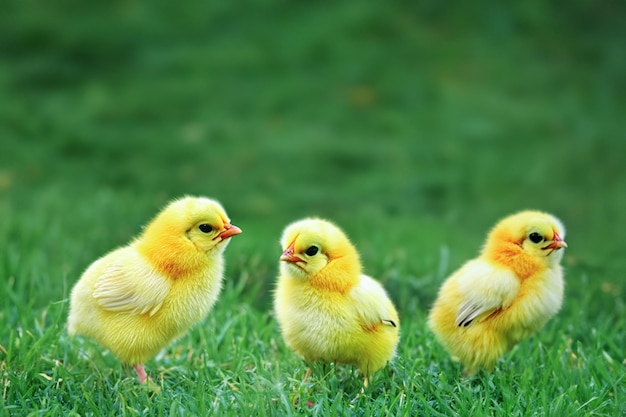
<point>373,304</point>
<point>131,285</point>
<point>484,289</point>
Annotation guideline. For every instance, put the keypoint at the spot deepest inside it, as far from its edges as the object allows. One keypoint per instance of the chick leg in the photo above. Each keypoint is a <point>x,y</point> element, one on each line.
<point>141,373</point>
<point>365,371</point>
<point>307,375</point>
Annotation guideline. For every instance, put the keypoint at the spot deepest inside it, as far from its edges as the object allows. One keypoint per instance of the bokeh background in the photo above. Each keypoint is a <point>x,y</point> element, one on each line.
<point>413,125</point>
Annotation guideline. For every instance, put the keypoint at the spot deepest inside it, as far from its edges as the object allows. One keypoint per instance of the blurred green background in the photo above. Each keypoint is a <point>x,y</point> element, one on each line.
<point>413,125</point>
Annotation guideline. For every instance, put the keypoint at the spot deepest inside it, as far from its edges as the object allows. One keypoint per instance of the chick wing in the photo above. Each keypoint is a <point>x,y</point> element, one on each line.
<point>373,304</point>
<point>484,289</point>
<point>131,285</point>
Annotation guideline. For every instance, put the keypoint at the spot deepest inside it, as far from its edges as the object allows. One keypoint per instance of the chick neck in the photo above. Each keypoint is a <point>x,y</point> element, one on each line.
<point>512,256</point>
<point>171,253</point>
<point>340,275</point>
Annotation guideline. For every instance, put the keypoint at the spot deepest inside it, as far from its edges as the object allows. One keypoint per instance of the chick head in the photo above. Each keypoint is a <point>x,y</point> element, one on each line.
<point>531,233</point>
<point>311,244</point>
<point>200,221</point>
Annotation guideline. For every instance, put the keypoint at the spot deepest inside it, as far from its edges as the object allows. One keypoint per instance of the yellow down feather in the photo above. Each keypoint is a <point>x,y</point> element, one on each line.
<point>326,308</point>
<point>137,299</point>
<point>505,295</point>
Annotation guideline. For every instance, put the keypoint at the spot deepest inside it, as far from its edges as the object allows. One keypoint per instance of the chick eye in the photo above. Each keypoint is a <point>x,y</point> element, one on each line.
<point>535,237</point>
<point>205,228</point>
<point>312,250</point>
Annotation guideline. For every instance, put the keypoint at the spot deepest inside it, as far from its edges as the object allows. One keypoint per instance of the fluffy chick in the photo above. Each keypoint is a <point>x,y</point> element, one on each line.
<point>137,299</point>
<point>326,308</point>
<point>505,295</point>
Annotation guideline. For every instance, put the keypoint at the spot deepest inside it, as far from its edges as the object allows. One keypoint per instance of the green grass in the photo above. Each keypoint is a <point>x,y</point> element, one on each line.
<point>414,126</point>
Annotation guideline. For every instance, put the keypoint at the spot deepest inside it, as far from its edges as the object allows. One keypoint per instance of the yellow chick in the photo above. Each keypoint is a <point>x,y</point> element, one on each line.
<point>326,308</point>
<point>137,299</point>
<point>505,295</point>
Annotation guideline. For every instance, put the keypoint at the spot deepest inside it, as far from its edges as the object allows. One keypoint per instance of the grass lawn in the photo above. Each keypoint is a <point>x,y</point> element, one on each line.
<point>413,126</point>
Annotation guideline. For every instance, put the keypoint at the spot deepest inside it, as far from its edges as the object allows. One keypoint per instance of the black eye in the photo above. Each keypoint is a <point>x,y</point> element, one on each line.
<point>205,228</point>
<point>312,250</point>
<point>535,237</point>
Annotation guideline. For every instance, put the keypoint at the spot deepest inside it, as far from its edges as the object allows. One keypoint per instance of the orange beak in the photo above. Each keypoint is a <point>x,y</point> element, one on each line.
<point>288,254</point>
<point>557,242</point>
<point>231,230</point>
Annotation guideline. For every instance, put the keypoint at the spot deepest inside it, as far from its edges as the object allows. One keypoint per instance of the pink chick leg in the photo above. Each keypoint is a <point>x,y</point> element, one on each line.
<point>141,373</point>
